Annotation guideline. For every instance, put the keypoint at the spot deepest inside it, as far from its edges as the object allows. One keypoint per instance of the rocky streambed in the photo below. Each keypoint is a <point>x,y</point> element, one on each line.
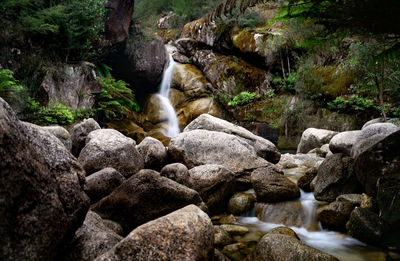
<point>94,194</point>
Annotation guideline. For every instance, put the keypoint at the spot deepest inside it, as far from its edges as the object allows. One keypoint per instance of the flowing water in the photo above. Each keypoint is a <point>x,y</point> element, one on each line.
<point>166,106</point>
<point>311,233</point>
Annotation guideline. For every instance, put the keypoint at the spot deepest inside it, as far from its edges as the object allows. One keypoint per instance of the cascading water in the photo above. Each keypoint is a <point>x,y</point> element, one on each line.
<point>166,106</point>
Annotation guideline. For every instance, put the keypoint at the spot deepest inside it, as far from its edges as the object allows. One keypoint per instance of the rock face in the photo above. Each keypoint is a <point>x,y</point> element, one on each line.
<point>186,234</point>
<point>335,177</point>
<point>100,184</point>
<point>371,135</point>
<point>201,147</point>
<point>153,152</point>
<point>343,142</point>
<point>41,196</point>
<point>79,133</point>
<point>62,134</point>
<point>381,159</point>
<point>284,246</point>
<point>314,138</point>
<point>264,148</point>
<point>72,85</point>
<point>119,16</point>
<point>215,185</point>
<point>271,186</point>
<point>144,197</point>
<point>92,239</point>
<point>109,148</point>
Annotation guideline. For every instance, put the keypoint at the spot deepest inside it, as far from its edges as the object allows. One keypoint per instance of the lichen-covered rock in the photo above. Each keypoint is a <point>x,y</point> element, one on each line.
<point>240,203</point>
<point>343,142</point>
<point>100,184</point>
<point>79,132</point>
<point>42,201</point>
<point>92,239</point>
<point>144,197</point>
<point>336,176</point>
<point>272,186</point>
<point>215,185</point>
<point>153,152</point>
<point>62,134</point>
<point>186,234</point>
<point>109,148</point>
<point>264,148</point>
<point>201,147</point>
<point>280,246</point>
<point>314,138</point>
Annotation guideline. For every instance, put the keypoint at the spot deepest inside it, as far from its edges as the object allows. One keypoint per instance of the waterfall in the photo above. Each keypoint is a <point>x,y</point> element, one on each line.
<point>166,106</point>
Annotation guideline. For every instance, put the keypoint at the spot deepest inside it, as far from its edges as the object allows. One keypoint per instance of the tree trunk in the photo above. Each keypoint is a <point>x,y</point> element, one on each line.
<point>381,90</point>
<point>282,65</point>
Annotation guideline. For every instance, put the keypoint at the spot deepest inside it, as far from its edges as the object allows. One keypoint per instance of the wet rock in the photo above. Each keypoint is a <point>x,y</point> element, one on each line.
<point>354,199</point>
<point>153,152</point>
<point>240,203</point>
<point>109,148</point>
<point>92,239</point>
<point>278,246</point>
<point>289,213</point>
<point>304,182</point>
<point>119,16</point>
<point>314,138</point>
<point>371,135</point>
<point>214,183</point>
<point>335,177</point>
<point>271,186</point>
<point>264,148</point>
<point>236,251</point>
<point>100,184</point>
<point>335,215</point>
<point>42,201</point>
<point>218,256</point>
<point>235,230</point>
<point>380,159</point>
<point>177,172</point>
<point>79,133</point>
<point>190,80</point>
<point>201,147</point>
<point>144,197</point>
<point>62,134</point>
<point>283,231</point>
<point>221,237</point>
<point>186,234</point>
<point>365,226</point>
<point>343,142</point>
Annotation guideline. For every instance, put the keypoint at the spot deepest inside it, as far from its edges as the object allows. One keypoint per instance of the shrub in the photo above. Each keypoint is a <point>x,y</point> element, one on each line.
<point>243,98</point>
<point>8,85</point>
<point>286,85</point>
<point>352,103</point>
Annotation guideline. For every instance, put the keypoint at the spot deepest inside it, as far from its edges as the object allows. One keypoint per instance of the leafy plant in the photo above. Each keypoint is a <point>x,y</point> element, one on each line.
<point>8,85</point>
<point>243,98</point>
<point>288,84</point>
<point>352,103</point>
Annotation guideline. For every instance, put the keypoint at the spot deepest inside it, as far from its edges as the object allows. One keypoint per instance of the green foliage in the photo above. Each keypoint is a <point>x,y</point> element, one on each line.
<point>116,99</point>
<point>352,103</point>
<point>8,85</point>
<point>288,84</point>
<point>243,98</point>
<point>54,113</point>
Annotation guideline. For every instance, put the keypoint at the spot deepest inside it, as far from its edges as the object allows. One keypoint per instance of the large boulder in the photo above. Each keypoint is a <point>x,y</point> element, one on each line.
<point>215,185</point>
<point>72,85</point>
<point>365,226</point>
<point>288,213</point>
<point>240,203</point>
<point>335,215</point>
<point>62,134</point>
<point>186,234</point>
<point>100,184</point>
<point>201,147</point>
<point>153,152</point>
<point>190,80</point>
<point>264,148</point>
<point>109,148</point>
<point>343,142</point>
<point>380,159</point>
<point>144,197</point>
<point>79,133</point>
<point>119,16</point>
<point>177,172</point>
<point>314,138</point>
<point>92,239</point>
<point>272,186</point>
<point>336,176</point>
<point>371,135</point>
<point>283,245</point>
<point>42,201</point>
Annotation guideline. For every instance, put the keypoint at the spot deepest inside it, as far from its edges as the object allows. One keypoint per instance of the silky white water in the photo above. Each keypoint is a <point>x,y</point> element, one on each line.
<point>166,106</point>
